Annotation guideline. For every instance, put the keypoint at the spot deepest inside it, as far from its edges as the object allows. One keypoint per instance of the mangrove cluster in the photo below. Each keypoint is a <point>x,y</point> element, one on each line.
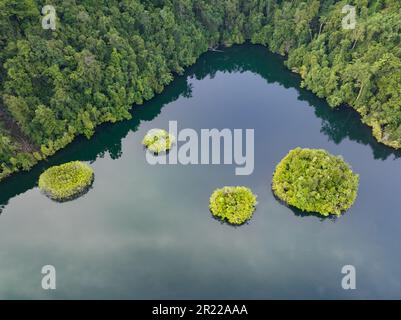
<point>66,181</point>
<point>234,205</point>
<point>158,141</point>
<point>315,181</point>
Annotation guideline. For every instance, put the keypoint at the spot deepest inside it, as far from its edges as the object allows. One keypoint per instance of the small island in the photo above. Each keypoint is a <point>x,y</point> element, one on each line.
<point>158,141</point>
<point>67,181</point>
<point>234,205</point>
<point>315,181</point>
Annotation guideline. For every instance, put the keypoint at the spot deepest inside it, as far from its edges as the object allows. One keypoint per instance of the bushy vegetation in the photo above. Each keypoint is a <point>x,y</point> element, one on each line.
<point>361,67</point>
<point>66,181</point>
<point>315,181</point>
<point>158,141</point>
<point>106,56</point>
<point>233,204</point>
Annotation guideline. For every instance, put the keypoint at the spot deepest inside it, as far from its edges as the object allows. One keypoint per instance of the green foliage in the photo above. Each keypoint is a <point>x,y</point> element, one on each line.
<point>106,56</point>
<point>66,181</point>
<point>312,180</point>
<point>13,155</point>
<point>158,141</point>
<point>233,204</point>
<point>361,67</point>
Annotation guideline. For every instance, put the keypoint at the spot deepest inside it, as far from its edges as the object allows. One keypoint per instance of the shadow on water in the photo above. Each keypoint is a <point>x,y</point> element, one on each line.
<point>303,214</point>
<point>336,124</point>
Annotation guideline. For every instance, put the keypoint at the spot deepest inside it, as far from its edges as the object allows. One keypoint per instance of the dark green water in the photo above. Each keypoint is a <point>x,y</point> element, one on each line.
<point>145,231</point>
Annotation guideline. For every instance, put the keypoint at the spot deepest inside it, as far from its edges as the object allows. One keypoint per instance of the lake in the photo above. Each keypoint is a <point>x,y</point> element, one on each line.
<point>145,232</point>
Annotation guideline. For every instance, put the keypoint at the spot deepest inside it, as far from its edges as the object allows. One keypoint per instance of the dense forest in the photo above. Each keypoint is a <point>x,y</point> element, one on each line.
<point>106,56</point>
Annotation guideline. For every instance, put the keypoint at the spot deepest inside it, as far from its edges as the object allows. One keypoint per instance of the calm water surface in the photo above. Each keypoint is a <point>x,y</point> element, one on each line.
<point>146,232</point>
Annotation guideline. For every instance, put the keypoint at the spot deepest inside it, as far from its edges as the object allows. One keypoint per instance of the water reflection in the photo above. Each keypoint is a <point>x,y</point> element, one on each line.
<point>337,124</point>
<point>146,231</point>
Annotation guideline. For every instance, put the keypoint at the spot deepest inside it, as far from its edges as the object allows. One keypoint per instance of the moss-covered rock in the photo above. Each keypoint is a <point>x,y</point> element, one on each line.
<point>67,181</point>
<point>313,180</point>
<point>233,204</point>
<point>158,141</point>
